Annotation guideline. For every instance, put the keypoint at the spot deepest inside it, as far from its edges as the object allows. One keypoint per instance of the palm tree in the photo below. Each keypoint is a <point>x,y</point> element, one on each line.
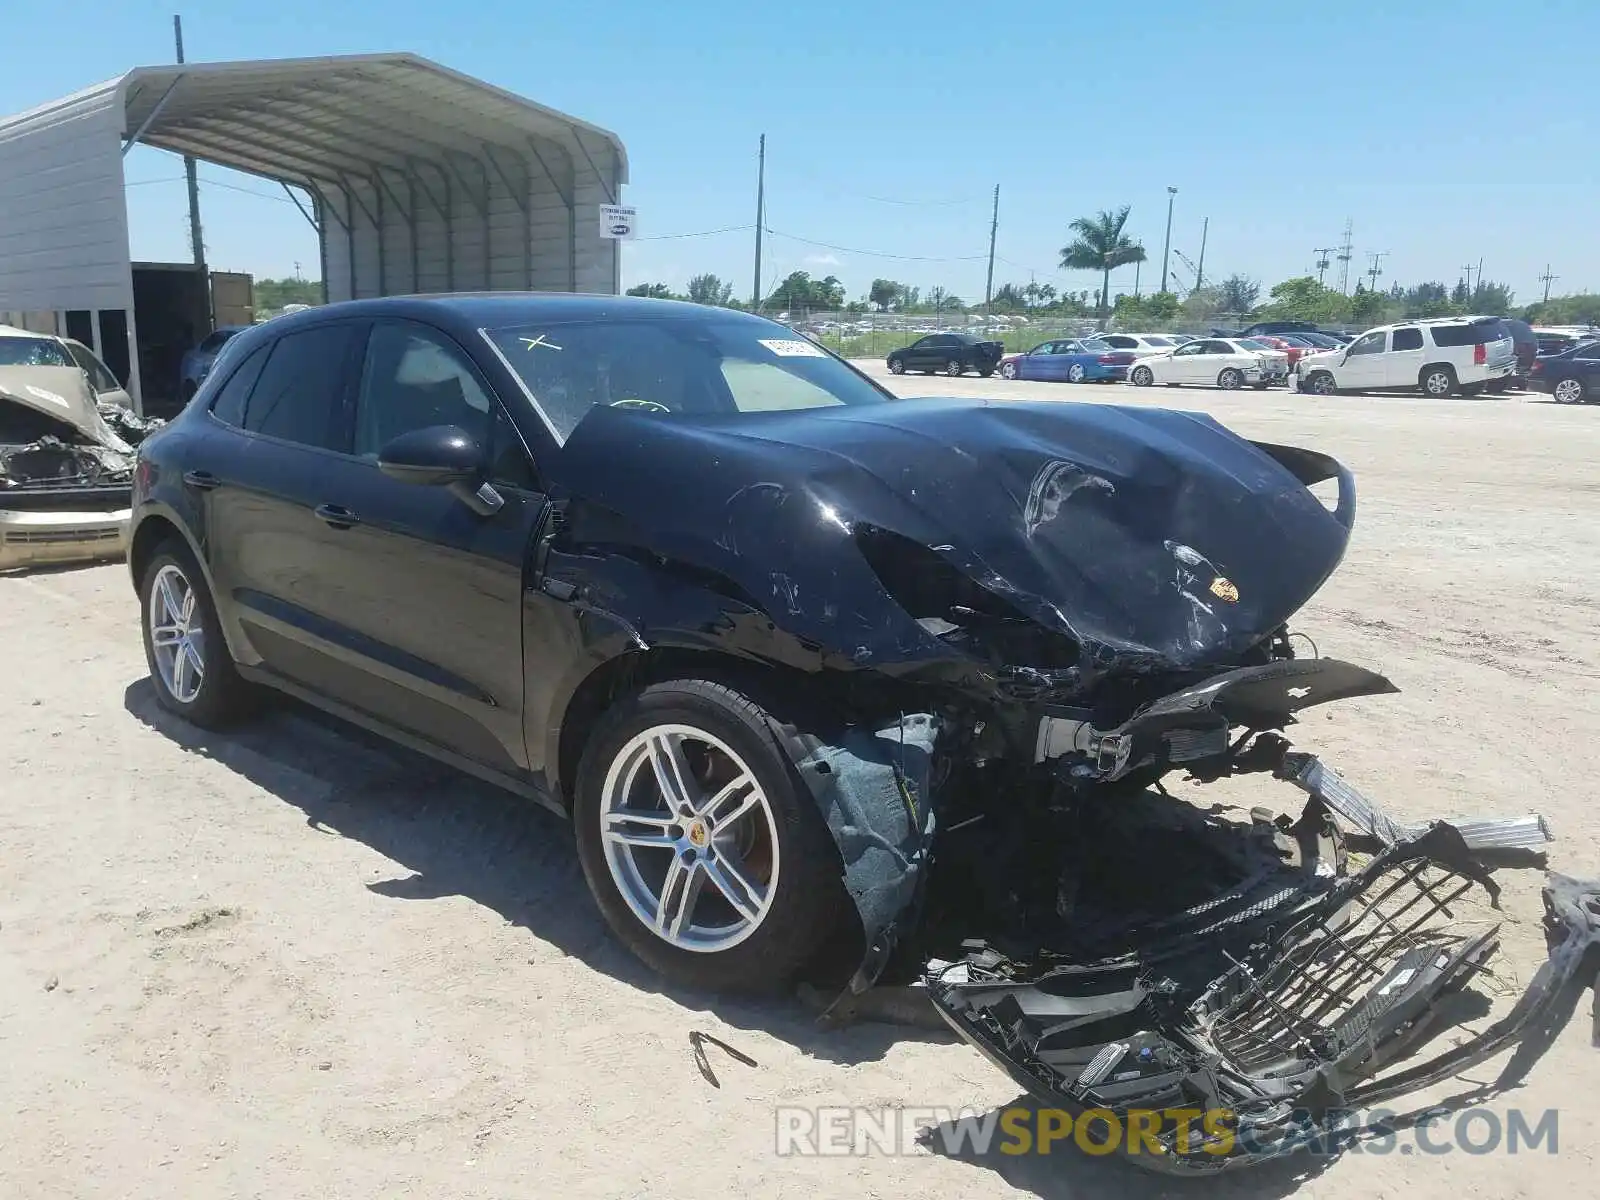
<point>1100,245</point>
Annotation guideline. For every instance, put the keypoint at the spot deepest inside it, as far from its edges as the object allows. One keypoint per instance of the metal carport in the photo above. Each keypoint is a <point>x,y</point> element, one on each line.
<point>416,178</point>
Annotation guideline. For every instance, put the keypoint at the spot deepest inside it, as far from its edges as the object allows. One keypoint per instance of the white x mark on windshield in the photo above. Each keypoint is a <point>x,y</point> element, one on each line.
<point>535,343</point>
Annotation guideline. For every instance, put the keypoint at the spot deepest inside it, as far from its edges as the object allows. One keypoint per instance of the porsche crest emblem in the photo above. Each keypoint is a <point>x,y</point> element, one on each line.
<point>1224,589</point>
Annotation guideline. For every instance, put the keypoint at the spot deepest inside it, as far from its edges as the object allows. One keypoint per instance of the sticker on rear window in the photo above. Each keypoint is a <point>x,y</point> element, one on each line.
<point>797,348</point>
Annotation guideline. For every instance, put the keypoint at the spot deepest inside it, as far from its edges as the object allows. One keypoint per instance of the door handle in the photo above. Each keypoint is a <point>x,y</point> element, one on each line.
<point>336,516</point>
<point>204,480</point>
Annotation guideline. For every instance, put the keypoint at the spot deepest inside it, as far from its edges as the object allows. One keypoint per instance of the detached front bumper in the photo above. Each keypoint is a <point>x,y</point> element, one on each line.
<point>30,539</point>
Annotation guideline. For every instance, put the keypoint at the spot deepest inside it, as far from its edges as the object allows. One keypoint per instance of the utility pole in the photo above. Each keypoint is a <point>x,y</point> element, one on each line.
<point>190,172</point>
<point>994,227</point>
<point>1166,250</point>
<point>761,216</point>
<point>1547,279</point>
<point>1346,253</point>
<point>1322,253</point>
<point>1468,271</point>
<point>1376,269</point>
<point>1136,265</point>
<point>1200,268</point>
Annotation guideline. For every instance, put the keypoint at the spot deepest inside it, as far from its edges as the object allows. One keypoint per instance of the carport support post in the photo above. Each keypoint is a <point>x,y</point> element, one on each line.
<point>135,391</point>
<point>411,221</point>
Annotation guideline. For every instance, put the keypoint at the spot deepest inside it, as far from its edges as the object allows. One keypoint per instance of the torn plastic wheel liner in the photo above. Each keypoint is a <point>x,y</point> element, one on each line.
<point>1314,998</point>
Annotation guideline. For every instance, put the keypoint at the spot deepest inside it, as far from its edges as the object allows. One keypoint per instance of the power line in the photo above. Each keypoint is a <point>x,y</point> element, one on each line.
<point>920,203</point>
<point>875,253</point>
<point>668,237</point>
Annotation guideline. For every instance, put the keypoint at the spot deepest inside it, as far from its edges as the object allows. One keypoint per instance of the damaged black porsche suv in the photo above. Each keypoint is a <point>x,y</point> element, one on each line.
<point>810,667</point>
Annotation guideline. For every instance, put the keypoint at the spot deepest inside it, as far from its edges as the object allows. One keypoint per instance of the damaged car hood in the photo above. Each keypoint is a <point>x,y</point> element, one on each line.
<point>64,395</point>
<point>1144,535</point>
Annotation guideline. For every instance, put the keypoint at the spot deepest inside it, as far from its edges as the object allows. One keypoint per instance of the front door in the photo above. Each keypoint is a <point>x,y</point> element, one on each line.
<point>429,610</point>
<point>1188,364</point>
<point>1364,365</point>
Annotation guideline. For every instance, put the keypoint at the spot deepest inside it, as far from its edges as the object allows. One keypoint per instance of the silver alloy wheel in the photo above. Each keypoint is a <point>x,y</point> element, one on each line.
<point>1322,384</point>
<point>954,367</point>
<point>1076,373</point>
<point>1008,370</point>
<point>176,634</point>
<point>1438,383</point>
<point>1143,377</point>
<point>1568,391</point>
<point>897,366</point>
<point>680,809</point>
<point>1230,379</point>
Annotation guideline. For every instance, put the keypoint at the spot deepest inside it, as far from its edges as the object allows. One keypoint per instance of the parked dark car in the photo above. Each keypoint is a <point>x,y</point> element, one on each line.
<point>813,668</point>
<point>1572,377</point>
<point>197,362</point>
<point>948,353</point>
<point>1269,327</point>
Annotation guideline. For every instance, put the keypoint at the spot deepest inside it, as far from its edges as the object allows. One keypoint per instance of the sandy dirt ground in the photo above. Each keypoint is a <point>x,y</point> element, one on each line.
<point>292,963</point>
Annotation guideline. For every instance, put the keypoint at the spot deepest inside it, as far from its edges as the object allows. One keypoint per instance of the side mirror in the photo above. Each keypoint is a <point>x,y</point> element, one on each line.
<point>432,457</point>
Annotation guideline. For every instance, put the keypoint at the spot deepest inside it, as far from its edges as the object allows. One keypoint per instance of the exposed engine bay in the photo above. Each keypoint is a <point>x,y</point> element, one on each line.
<point>53,435</point>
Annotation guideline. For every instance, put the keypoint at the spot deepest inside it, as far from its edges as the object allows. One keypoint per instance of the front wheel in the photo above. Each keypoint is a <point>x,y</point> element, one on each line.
<point>955,367</point>
<point>1142,377</point>
<point>897,366</point>
<point>1008,370</point>
<point>1321,384</point>
<point>705,852</point>
<point>1230,379</point>
<point>1076,373</point>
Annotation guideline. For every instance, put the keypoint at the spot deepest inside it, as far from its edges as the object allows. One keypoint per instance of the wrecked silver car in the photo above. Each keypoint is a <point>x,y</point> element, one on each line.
<point>65,477</point>
<point>838,686</point>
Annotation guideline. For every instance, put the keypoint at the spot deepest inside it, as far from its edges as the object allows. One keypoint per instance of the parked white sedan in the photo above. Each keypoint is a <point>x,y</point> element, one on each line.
<point>1142,345</point>
<point>1212,362</point>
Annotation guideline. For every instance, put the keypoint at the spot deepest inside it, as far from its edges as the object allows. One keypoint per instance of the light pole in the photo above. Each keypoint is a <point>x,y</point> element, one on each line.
<point>1166,249</point>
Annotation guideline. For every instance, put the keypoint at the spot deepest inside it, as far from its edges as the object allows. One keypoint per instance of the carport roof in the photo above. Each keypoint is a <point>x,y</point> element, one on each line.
<point>320,119</point>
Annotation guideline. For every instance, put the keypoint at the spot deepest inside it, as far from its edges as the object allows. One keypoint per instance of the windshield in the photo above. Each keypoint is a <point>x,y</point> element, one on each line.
<point>704,367</point>
<point>33,352</point>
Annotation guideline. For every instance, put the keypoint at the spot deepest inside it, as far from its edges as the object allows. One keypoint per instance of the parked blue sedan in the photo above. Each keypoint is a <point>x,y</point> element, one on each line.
<point>1076,360</point>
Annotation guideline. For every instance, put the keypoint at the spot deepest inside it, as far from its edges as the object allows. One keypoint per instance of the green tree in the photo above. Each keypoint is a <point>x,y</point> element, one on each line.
<point>1202,304</point>
<point>1101,245</point>
<point>1009,297</point>
<point>709,289</point>
<point>273,294</point>
<point>1493,299</point>
<point>884,294</point>
<point>655,291</point>
<point>827,293</point>
<point>1238,294</point>
<point>1368,308</point>
<point>1162,307</point>
<point>1304,299</point>
<point>1430,299</point>
<point>1582,308</point>
<point>943,300</point>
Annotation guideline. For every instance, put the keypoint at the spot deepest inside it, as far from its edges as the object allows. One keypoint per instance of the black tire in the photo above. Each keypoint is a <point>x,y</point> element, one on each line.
<point>1473,389</point>
<point>1230,379</point>
<point>1438,380</point>
<point>1141,377</point>
<point>985,372</point>
<point>223,697</point>
<point>1260,387</point>
<point>955,367</point>
<point>897,366</point>
<point>810,904</point>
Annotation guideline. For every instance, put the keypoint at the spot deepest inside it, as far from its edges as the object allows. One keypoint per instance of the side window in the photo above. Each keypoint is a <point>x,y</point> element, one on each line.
<point>100,378</point>
<point>415,378</point>
<point>1217,348</point>
<point>1121,343</point>
<point>299,390</point>
<point>1372,343</point>
<point>1408,339</point>
<point>1189,348</point>
<point>231,396</point>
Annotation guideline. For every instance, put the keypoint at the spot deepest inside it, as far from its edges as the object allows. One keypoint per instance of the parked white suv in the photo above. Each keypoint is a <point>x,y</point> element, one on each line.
<point>1440,356</point>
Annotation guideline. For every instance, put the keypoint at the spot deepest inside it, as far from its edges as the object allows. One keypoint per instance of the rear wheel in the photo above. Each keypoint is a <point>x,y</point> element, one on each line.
<point>1439,380</point>
<point>897,366</point>
<point>1142,377</point>
<point>985,372</point>
<point>1230,379</point>
<point>706,853</point>
<point>1472,389</point>
<point>189,662</point>
<point>955,367</point>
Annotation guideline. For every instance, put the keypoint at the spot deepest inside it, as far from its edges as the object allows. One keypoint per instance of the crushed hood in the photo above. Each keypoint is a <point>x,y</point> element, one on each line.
<point>64,395</point>
<point>1147,534</point>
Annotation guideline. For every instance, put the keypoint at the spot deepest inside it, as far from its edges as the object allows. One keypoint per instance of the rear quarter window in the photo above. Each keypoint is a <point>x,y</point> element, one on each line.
<point>1468,335</point>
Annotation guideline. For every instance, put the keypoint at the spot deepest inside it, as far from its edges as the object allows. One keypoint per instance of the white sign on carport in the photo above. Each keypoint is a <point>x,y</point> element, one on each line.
<point>416,178</point>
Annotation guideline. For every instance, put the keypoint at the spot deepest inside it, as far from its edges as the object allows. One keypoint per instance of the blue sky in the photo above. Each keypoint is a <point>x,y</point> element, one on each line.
<point>1437,126</point>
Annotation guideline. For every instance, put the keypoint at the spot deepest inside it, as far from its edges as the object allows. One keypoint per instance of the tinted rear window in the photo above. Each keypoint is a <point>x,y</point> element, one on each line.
<point>1469,335</point>
<point>301,385</point>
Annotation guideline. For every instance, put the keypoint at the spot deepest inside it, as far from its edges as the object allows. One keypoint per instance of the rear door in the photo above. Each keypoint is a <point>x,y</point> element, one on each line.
<point>1402,366</point>
<point>279,564</point>
<point>428,628</point>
